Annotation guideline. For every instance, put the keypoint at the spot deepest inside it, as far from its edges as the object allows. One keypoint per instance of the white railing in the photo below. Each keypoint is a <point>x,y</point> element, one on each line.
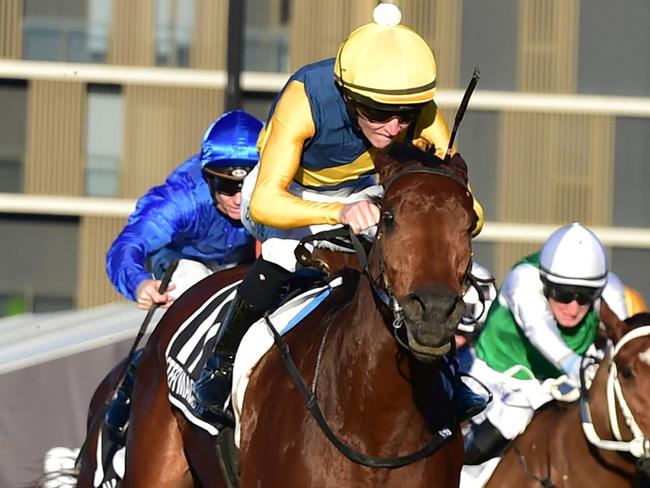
<point>273,82</point>
<point>629,237</point>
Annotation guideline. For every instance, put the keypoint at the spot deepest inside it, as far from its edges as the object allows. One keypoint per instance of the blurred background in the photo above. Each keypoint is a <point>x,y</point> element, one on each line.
<point>101,99</point>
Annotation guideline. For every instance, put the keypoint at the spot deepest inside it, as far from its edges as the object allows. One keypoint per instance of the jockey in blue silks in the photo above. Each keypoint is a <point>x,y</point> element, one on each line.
<point>194,218</point>
<point>177,220</point>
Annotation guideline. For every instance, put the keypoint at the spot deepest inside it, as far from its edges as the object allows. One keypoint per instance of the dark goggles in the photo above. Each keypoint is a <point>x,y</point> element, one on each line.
<point>405,115</point>
<point>566,294</point>
<point>225,186</point>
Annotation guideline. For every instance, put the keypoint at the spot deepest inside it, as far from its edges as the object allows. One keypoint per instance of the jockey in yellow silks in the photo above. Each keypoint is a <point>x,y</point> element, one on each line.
<point>316,167</point>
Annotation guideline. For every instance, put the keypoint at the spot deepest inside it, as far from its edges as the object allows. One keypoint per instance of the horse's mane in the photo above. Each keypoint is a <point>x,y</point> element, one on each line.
<point>638,320</point>
<point>405,152</point>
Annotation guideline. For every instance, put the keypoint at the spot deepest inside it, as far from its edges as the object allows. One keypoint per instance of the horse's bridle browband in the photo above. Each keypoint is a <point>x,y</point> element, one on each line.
<point>386,297</point>
<point>436,169</point>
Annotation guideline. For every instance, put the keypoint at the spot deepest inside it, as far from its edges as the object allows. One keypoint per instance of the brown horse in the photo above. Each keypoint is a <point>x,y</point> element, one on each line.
<point>374,346</point>
<point>554,450</point>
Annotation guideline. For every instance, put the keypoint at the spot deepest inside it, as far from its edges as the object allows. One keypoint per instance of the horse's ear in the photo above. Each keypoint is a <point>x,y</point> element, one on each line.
<point>615,327</point>
<point>458,165</point>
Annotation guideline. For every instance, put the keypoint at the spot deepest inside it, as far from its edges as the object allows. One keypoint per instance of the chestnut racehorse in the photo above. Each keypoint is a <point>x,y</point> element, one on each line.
<point>554,451</point>
<point>371,352</point>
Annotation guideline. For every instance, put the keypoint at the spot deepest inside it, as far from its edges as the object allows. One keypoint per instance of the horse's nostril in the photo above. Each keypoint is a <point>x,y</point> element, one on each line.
<point>433,305</point>
<point>453,306</point>
<point>413,307</point>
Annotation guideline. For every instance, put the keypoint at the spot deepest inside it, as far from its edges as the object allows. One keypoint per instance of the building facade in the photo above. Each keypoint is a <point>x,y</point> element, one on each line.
<point>101,99</point>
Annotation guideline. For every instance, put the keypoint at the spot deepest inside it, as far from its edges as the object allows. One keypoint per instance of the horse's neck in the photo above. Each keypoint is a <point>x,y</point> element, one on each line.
<point>369,372</point>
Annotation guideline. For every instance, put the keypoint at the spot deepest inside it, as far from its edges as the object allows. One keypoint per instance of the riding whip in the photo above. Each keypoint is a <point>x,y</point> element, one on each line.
<point>462,108</point>
<point>99,417</point>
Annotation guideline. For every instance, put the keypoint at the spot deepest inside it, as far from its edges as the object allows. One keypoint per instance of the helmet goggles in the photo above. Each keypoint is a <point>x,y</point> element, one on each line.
<point>406,115</point>
<point>226,185</point>
<point>584,295</point>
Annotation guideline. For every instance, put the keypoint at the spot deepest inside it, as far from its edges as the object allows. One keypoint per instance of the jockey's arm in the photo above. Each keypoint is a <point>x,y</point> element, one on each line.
<point>291,125</point>
<point>437,135</point>
<point>523,295</point>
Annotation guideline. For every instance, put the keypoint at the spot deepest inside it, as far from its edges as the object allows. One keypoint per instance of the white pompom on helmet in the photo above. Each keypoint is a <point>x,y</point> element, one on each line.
<point>574,255</point>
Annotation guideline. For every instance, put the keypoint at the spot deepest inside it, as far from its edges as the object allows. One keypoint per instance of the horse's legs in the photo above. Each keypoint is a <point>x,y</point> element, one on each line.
<point>88,459</point>
<point>200,449</point>
<point>154,453</point>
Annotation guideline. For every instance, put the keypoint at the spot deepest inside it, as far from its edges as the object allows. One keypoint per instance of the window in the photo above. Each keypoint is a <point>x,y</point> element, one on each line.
<point>66,30</point>
<point>39,263</point>
<point>266,45</point>
<point>613,57</point>
<point>13,120</point>
<point>104,140</point>
<point>174,24</point>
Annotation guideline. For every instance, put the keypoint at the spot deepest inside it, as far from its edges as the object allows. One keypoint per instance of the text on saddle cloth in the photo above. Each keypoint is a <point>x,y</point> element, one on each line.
<point>192,343</point>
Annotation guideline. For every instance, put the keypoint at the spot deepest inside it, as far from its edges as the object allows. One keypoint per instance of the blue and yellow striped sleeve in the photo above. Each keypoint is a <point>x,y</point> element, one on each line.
<point>291,125</point>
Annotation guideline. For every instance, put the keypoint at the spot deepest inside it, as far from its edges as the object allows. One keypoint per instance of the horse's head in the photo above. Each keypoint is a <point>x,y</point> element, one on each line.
<point>422,251</point>
<point>630,370</point>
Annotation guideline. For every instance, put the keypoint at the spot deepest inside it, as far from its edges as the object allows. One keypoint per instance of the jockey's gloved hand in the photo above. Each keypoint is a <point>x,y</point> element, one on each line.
<point>571,366</point>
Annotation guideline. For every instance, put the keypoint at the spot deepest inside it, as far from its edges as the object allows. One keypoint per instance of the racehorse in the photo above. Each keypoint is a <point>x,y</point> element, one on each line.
<point>379,413</point>
<point>555,451</point>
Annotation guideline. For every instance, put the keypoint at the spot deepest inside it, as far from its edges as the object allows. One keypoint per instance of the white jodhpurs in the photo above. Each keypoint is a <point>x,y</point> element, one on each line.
<point>278,245</point>
<point>189,272</point>
<point>514,401</point>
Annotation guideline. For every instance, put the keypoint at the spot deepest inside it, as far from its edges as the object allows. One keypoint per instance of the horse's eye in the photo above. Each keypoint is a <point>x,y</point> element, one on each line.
<point>626,372</point>
<point>387,217</point>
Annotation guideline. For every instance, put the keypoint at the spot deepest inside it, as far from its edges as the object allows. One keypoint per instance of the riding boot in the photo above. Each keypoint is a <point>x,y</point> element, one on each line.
<point>257,293</point>
<point>483,442</point>
<point>117,415</point>
<point>466,403</point>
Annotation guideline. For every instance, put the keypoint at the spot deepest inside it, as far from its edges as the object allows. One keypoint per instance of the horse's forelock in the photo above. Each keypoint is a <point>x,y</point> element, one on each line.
<point>398,155</point>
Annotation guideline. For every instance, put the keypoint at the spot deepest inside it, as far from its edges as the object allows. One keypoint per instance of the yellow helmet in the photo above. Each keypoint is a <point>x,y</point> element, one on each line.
<point>634,301</point>
<point>385,63</point>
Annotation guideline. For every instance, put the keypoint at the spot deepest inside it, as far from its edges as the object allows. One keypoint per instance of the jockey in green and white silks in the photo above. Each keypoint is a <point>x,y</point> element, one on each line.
<point>545,319</point>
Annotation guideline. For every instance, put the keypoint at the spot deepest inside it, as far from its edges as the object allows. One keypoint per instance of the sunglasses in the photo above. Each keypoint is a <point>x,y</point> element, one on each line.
<point>225,186</point>
<point>377,115</point>
<point>582,295</point>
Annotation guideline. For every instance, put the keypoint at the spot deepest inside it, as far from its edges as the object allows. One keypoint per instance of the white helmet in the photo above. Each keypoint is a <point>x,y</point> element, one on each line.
<point>574,255</point>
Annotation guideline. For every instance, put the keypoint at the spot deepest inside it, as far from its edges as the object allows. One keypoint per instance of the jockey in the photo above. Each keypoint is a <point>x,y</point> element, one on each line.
<point>545,319</point>
<point>177,221</point>
<point>316,169</point>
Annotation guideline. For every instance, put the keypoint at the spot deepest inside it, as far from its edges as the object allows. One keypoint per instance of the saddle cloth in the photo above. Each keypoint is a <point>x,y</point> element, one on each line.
<point>194,340</point>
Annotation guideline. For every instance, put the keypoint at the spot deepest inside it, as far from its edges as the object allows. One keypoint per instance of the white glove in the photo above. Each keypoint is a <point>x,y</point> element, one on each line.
<point>562,389</point>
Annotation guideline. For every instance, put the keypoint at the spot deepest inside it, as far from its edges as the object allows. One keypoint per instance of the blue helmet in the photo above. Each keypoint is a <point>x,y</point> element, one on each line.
<point>229,147</point>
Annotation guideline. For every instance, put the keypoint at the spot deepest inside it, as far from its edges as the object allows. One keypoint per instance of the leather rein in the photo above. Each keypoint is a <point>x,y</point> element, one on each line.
<point>385,296</point>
